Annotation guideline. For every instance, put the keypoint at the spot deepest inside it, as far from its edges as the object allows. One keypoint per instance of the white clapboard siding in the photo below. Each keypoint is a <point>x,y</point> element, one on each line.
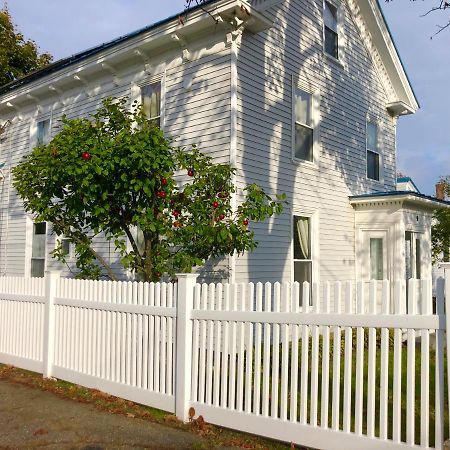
<point>268,65</point>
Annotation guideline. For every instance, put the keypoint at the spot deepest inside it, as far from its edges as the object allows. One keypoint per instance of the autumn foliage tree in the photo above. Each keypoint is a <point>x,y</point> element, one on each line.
<point>18,56</point>
<point>115,174</point>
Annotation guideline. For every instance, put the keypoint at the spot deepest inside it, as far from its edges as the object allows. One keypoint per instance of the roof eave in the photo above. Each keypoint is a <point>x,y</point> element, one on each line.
<point>405,198</point>
<point>162,31</point>
<point>406,97</point>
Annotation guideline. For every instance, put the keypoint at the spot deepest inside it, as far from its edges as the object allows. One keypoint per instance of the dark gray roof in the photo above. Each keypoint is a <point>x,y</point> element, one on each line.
<point>65,62</point>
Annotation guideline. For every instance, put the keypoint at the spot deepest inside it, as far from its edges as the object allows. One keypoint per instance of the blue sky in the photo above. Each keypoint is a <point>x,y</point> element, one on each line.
<point>64,28</point>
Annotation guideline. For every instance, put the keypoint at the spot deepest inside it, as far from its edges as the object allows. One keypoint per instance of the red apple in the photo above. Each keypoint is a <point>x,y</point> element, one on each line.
<point>161,194</point>
<point>245,222</point>
<point>222,216</point>
<point>86,155</point>
<point>215,204</point>
<point>191,172</point>
<point>163,181</point>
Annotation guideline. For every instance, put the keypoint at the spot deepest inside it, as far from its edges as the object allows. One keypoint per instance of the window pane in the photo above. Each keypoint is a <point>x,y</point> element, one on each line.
<point>408,254</point>
<point>37,267</point>
<point>330,16</point>
<point>372,132</point>
<point>65,244</point>
<point>331,42</point>
<point>418,265</point>
<point>302,237</point>
<point>302,273</point>
<point>38,246</point>
<point>151,100</point>
<point>373,165</point>
<point>43,132</point>
<point>376,259</point>
<point>303,103</point>
<point>303,142</point>
<point>40,228</point>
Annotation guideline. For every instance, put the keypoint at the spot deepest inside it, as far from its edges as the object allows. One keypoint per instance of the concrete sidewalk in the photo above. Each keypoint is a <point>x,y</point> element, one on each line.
<point>31,418</point>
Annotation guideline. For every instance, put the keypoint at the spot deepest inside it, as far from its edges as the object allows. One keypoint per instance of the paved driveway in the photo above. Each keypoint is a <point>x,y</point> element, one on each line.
<point>31,418</point>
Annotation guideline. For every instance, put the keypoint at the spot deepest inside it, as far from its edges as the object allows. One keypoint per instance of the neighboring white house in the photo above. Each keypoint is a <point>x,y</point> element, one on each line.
<point>301,96</point>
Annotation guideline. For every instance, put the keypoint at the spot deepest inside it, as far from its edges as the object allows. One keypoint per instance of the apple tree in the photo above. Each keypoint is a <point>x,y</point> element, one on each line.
<point>115,175</point>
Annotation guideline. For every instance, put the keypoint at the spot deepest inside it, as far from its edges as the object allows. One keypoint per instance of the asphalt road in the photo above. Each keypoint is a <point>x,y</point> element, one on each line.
<point>31,418</point>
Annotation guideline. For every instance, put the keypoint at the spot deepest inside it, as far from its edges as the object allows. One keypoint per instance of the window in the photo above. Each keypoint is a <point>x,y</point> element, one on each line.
<point>330,32</point>
<point>151,101</point>
<point>376,259</point>
<point>302,251</point>
<point>38,249</point>
<point>43,132</point>
<point>304,133</point>
<point>373,157</point>
<point>65,245</point>
<point>412,255</point>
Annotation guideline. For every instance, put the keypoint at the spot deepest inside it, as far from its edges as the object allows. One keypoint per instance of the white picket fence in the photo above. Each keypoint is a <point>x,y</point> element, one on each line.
<point>354,367</point>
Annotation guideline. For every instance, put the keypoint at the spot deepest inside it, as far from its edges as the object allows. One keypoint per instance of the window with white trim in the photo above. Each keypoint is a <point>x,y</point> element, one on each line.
<point>330,30</point>
<point>151,101</point>
<point>304,125</point>
<point>372,152</point>
<point>302,243</point>
<point>376,258</point>
<point>413,261</point>
<point>43,132</point>
<point>38,249</point>
<point>66,245</point>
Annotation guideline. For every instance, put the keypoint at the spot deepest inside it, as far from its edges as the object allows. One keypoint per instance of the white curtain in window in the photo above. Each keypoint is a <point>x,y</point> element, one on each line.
<point>303,236</point>
<point>303,107</point>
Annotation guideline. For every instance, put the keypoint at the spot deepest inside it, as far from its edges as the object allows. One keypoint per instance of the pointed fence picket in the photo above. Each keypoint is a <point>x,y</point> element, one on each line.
<point>355,365</point>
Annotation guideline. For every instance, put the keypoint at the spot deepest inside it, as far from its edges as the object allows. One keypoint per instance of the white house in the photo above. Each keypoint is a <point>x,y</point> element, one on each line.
<point>301,96</point>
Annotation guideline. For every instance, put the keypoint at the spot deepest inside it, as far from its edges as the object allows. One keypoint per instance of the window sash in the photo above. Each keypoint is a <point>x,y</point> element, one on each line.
<point>43,132</point>
<point>151,101</point>
<point>373,165</point>
<point>376,259</point>
<point>331,43</point>
<point>304,142</point>
<point>304,131</point>
<point>330,16</point>
<point>37,267</point>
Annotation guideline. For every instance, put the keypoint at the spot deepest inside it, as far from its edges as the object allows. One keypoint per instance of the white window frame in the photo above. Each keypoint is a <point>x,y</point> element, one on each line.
<point>363,249</point>
<point>61,238</point>
<point>377,151</point>
<point>339,27</point>
<point>315,120</point>
<point>136,94</point>
<point>34,129</point>
<point>415,234</point>
<point>313,215</point>
<point>29,246</point>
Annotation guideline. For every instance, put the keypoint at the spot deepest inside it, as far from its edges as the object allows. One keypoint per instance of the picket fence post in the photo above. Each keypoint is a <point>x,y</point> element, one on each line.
<point>185,299</point>
<point>51,281</point>
<point>446,267</point>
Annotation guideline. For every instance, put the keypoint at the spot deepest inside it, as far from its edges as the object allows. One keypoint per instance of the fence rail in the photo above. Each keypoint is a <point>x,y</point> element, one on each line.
<point>355,365</point>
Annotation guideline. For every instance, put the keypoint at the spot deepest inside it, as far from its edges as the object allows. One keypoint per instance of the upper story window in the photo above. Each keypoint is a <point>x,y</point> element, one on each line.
<point>43,132</point>
<point>373,155</point>
<point>330,32</point>
<point>304,131</point>
<point>151,101</point>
